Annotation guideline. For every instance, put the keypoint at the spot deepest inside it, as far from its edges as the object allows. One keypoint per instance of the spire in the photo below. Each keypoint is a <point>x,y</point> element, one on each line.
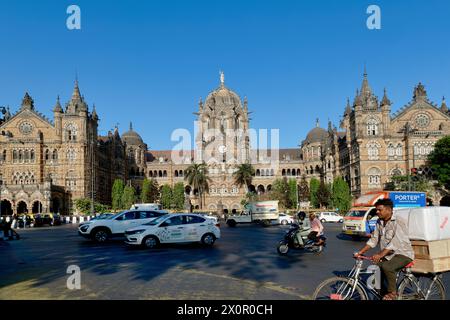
<point>131,126</point>
<point>444,106</point>
<point>58,107</point>
<point>358,100</point>
<point>317,123</point>
<point>76,91</point>
<point>27,102</point>
<point>348,108</point>
<point>365,88</point>
<point>385,101</point>
<point>94,113</point>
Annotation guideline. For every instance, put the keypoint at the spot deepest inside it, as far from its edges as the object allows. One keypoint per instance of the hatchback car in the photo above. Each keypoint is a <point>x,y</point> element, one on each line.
<point>174,228</point>
<point>285,219</point>
<point>330,217</point>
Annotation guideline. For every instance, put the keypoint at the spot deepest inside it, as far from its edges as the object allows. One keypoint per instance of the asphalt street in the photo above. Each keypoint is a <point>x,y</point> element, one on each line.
<point>243,264</point>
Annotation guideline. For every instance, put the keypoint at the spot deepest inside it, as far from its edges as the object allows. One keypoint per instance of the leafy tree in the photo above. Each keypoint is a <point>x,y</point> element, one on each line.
<point>117,191</point>
<point>128,197</point>
<point>145,192</point>
<point>83,205</point>
<point>340,195</point>
<point>323,195</point>
<point>293,194</point>
<point>178,196</point>
<point>166,196</point>
<point>153,193</point>
<point>243,176</point>
<point>281,192</point>
<point>439,159</point>
<point>410,183</point>
<point>197,177</point>
<point>314,185</point>
<point>304,194</point>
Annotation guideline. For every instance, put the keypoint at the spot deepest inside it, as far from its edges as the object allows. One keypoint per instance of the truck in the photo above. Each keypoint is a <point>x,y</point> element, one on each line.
<point>262,212</point>
<point>360,221</point>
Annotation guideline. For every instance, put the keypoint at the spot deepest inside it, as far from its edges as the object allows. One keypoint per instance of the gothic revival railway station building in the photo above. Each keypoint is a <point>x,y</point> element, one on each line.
<point>45,165</point>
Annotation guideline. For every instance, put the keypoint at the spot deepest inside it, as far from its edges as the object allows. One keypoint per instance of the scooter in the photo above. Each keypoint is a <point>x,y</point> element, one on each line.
<point>290,241</point>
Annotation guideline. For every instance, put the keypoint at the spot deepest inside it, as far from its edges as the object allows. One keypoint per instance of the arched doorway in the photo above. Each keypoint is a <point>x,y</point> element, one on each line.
<point>37,207</point>
<point>6,208</point>
<point>445,201</point>
<point>251,188</point>
<point>261,189</point>
<point>56,205</point>
<point>187,190</point>
<point>22,207</point>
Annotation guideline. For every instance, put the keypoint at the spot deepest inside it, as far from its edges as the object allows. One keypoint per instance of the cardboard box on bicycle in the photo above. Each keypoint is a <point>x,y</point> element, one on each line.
<point>427,250</point>
<point>431,265</point>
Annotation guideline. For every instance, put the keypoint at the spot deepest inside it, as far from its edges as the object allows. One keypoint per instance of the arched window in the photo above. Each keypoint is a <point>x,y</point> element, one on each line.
<point>71,155</point>
<point>373,150</point>
<point>55,155</point>
<point>391,150</point>
<point>32,157</point>
<point>399,150</point>
<point>15,156</point>
<point>71,132</point>
<point>372,127</point>
<point>374,177</point>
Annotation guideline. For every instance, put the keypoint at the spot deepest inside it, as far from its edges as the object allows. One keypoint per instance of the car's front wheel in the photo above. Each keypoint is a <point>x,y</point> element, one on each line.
<point>208,239</point>
<point>100,235</point>
<point>284,222</point>
<point>150,242</point>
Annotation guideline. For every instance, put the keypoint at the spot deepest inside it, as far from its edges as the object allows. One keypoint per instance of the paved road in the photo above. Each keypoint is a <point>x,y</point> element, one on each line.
<point>243,264</point>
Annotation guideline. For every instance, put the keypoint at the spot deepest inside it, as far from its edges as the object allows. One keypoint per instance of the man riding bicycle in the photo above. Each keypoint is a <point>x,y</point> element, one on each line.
<point>391,232</point>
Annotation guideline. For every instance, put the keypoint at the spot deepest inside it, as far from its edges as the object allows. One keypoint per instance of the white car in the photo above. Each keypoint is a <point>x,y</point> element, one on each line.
<point>330,217</point>
<point>174,228</point>
<point>285,219</point>
<point>100,230</point>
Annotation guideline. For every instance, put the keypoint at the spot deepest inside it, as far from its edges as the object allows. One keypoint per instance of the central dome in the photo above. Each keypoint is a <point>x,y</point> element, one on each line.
<point>223,98</point>
<point>316,135</point>
<point>132,137</point>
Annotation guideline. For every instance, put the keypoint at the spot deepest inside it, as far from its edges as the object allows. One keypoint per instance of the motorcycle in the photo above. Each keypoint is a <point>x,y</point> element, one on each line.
<point>291,241</point>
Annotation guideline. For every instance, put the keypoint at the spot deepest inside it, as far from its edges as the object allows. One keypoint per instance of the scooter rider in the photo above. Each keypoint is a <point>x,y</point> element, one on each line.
<point>316,230</point>
<point>304,227</point>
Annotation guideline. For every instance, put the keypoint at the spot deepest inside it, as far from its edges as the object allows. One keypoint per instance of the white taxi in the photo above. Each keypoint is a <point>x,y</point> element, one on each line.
<point>174,228</point>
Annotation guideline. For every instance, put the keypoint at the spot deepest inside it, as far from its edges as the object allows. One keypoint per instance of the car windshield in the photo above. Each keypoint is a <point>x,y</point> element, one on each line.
<point>156,221</point>
<point>356,213</point>
<point>113,216</point>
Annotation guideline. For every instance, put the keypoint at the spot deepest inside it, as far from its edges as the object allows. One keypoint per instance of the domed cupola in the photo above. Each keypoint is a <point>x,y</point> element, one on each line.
<point>223,99</point>
<point>316,135</point>
<point>132,138</point>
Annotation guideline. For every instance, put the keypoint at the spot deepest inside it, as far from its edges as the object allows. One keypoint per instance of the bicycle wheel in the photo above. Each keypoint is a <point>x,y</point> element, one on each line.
<point>338,288</point>
<point>429,290</point>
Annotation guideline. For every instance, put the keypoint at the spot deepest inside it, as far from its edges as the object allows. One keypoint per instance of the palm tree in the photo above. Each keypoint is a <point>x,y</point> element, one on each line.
<point>243,176</point>
<point>197,176</point>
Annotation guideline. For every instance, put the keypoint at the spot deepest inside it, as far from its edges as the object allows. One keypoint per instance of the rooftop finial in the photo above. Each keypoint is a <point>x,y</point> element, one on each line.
<point>222,78</point>
<point>131,126</point>
<point>317,122</point>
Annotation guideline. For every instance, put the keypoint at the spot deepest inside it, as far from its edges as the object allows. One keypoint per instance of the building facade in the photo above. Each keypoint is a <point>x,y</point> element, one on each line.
<point>45,165</point>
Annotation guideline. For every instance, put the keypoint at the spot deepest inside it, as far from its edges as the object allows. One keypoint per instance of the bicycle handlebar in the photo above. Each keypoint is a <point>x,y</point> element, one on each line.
<point>362,257</point>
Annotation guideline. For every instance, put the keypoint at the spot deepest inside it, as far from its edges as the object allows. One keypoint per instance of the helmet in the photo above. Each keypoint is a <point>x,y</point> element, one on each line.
<point>301,215</point>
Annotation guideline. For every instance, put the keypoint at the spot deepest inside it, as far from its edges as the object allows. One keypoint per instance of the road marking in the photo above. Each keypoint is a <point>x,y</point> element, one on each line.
<point>268,285</point>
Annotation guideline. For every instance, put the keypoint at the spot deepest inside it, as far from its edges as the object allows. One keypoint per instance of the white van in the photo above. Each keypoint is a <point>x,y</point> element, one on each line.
<point>146,206</point>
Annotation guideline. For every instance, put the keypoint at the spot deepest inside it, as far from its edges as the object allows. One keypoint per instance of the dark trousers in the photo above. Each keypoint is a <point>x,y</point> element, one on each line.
<point>389,270</point>
<point>313,236</point>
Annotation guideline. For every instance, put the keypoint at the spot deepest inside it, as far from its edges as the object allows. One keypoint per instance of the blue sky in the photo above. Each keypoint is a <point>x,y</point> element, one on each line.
<point>150,61</point>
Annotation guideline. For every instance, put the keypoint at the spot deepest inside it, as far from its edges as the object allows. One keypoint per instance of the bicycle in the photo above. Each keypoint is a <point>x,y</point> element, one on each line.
<point>352,287</point>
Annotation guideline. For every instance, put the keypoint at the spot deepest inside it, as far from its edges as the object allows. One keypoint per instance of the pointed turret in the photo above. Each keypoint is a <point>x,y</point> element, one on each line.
<point>200,105</point>
<point>94,113</point>
<point>76,95</point>
<point>58,107</point>
<point>348,108</point>
<point>358,100</point>
<point>27,102</point>
<point>385,101</point>
<point>245,104</point>
<point>366,91</point>
<point>444,106</point>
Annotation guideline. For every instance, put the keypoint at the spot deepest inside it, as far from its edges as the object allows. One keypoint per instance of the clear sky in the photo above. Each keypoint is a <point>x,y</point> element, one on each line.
<point>150,61</point>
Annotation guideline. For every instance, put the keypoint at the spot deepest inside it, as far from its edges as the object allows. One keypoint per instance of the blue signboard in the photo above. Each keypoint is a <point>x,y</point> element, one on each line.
<point>408,199</point>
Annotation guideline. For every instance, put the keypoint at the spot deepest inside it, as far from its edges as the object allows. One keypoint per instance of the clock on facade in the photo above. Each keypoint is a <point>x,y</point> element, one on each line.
<point>422,120</point>
<point>26,127</point>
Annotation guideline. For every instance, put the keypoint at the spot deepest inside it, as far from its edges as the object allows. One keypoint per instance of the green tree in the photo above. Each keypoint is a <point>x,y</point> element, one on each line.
<point>197,177</point>
<point>281,192</point>
<point>83,205</point>
<point>314,185</point>
<point>293,194</point>
<point>116,196</point>
<point>304,194</point>
<point>145,192</point>
<point>340,195</point>
<point>128,197</point>
<point>166,196</point>
<point>439,160</point>
<point>243,176</point>
<point>323,195</point>
<point>153,194</point>
<point>178,196</point>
